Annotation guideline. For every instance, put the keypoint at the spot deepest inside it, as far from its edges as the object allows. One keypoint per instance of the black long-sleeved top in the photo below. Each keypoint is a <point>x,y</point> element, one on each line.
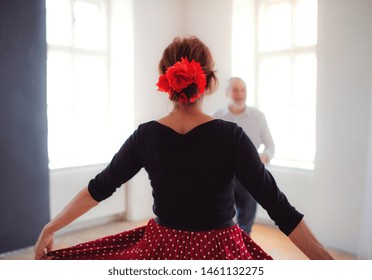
<point>190,174</point>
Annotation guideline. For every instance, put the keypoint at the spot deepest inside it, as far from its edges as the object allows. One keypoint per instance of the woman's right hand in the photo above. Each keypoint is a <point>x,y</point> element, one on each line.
<point>44,245</point>
<point>80,204</point>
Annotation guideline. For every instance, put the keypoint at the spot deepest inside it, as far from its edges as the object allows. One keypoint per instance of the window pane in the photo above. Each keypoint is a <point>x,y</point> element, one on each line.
<point>306,22</point>
<point>274,81</point>
<point>287,96</point>
<point>274,96</point>
<point>59,22</point>
<point>78,129</point>
<point>304,91</point>
<point>60,107</point>
<point>275,26</point>
<point>304,79</point>
<point>303,144</point>
<point>90,25</point>
<point>91,106</point>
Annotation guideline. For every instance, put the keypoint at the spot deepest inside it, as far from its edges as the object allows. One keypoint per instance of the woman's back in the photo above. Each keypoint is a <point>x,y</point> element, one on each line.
<point>190,173</point>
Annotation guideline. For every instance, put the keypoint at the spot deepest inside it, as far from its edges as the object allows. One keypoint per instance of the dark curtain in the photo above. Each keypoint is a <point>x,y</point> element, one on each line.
<point>24,175</point>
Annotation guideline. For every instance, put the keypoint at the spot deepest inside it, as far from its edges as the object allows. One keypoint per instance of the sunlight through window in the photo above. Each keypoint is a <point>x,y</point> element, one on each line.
<point>85,103</point>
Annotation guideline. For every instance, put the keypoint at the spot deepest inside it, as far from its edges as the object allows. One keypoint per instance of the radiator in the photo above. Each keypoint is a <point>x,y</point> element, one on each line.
<point>297,185</point>
<point>66,182</point>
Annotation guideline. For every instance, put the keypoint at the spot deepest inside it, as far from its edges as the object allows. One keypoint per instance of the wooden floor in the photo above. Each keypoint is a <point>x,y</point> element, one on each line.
<point>269,238</point>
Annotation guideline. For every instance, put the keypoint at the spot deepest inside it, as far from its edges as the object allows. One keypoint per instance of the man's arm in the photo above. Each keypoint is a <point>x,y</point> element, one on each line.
<point>268,142</point>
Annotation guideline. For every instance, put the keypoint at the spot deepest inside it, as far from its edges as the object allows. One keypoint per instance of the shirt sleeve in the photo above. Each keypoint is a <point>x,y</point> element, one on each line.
<point>124,165</point>
<point>260,183</point>
<point>267,140</point>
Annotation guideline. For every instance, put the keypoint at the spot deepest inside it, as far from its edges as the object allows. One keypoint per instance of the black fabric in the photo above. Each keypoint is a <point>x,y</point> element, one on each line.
<point>224,225</point>
<point>191,173</point>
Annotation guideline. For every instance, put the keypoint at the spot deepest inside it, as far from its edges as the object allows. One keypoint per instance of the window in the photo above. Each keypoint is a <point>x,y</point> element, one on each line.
<point>286,75</point>
<point>83,91</point>
<point>284,38</point>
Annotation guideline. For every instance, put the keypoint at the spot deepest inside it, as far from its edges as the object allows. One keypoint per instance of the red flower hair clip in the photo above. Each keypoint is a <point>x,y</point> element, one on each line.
<point>179,76</point>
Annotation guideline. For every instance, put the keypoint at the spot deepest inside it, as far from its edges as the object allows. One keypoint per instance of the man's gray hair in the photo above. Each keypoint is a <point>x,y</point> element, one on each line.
<point>235,79</point>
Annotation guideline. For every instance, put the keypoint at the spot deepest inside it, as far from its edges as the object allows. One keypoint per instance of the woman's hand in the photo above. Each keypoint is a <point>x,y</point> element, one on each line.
<point>44,245</point>
<point>80,204</point>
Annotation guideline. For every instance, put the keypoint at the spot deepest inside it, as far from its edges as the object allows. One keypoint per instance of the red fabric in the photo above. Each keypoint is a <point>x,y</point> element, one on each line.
<point>156,242</point>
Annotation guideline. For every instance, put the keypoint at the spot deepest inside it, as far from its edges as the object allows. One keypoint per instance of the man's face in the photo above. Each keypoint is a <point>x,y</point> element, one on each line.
<point>237,92</point>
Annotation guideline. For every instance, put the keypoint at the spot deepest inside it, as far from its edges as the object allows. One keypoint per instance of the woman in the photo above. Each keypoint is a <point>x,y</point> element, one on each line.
<point>190,158</point>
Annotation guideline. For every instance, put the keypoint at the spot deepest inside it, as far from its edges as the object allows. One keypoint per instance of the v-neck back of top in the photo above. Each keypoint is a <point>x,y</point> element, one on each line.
<point>192,130</point>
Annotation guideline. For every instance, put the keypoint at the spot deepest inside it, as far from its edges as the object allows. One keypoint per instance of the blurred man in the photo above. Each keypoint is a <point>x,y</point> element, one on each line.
<point>253,122</point>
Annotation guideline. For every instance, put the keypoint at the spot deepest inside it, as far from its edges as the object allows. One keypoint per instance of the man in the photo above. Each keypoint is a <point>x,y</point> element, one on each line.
<point>253,122</point>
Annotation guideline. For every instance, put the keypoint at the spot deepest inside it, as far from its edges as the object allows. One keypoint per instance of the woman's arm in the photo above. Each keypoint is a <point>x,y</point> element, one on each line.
<point>79,205</point>
<point>302,237</point>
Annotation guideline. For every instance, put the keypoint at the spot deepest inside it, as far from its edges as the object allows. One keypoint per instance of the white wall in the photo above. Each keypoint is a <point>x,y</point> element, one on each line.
<point>332,194</point>
<point>210,20</point>
<point>365,241</point>
<point>343,111</point>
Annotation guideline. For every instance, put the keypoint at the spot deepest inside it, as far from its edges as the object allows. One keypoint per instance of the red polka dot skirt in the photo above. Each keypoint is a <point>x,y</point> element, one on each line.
<point>156,242</point>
